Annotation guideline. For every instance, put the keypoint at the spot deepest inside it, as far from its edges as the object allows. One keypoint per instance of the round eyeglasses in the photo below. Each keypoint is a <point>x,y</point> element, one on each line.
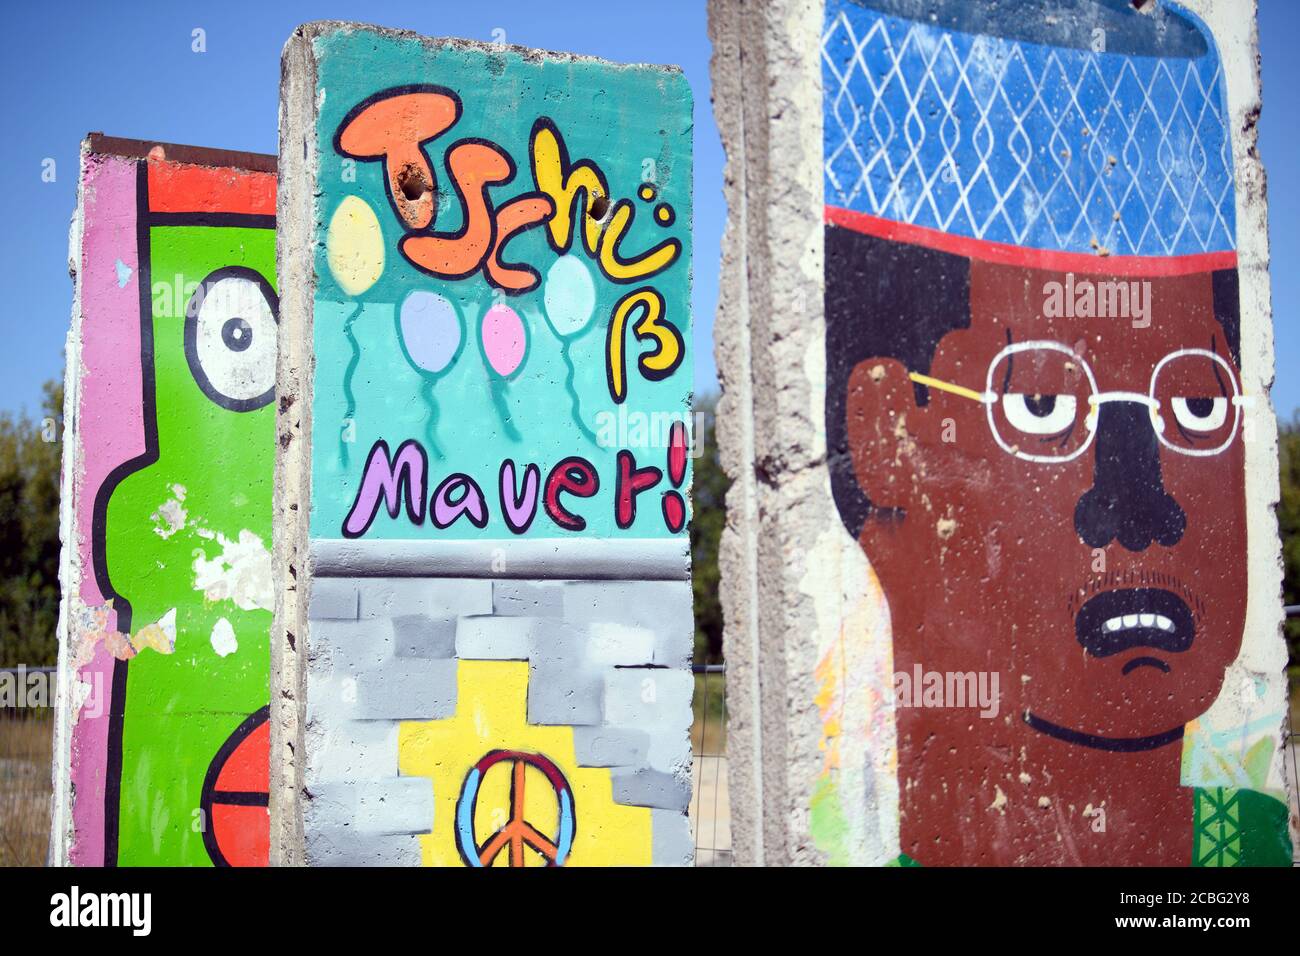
<point>1042,401</point>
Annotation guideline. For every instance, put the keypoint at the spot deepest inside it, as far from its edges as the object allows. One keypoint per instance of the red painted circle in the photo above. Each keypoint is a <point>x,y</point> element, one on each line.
<point>236,795</point>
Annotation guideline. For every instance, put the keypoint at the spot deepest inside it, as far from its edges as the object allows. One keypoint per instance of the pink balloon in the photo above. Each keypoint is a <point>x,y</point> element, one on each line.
<point>504,339</point>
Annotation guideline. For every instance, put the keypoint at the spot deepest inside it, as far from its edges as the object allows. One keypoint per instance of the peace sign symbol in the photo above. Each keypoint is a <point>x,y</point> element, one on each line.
<point>517,835</point>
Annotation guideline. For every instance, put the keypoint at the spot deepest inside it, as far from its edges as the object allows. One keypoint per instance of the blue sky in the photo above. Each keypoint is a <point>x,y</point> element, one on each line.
<point>1279,146</point>
<point>99,67</point>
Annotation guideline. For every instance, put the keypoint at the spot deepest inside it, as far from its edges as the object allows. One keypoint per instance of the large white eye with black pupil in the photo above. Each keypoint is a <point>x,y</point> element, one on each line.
<point>1201,414</point>
<point>230,334</point>
<point>1039,414</point>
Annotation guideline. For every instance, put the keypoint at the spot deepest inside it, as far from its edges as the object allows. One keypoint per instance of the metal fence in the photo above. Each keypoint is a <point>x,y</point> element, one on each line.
<point>710,811</point>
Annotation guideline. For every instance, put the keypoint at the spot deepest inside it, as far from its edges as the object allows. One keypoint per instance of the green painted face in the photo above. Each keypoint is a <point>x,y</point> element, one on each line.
<point>188,537</point>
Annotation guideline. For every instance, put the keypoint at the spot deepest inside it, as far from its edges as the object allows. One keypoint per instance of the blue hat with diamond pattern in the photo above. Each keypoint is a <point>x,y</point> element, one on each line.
<point>1076,126</point>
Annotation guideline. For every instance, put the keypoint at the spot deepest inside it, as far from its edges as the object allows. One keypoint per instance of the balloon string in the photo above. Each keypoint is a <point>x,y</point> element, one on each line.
<point>573,394</point>
<point>498,388</point>
<point>350,417</point>
<point>432,420</point>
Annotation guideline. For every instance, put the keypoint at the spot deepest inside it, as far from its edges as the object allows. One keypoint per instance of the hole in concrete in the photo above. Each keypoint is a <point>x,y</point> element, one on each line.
<point>1141,6</point>
<point>410,179</point>
<point>598,207</point>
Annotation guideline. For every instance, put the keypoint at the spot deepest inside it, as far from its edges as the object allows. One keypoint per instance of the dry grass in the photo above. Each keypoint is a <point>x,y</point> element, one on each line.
<point>26,739</point>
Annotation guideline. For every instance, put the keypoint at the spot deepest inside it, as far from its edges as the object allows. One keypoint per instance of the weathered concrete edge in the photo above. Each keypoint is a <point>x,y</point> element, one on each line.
<point>128,148</point>
<point>767,78</point>
<point>291,558</point>
<point>735,436</point>
<point>316,28</point>
<point>658,559</point>
<point>70,569</point>
<point>1235,28</point>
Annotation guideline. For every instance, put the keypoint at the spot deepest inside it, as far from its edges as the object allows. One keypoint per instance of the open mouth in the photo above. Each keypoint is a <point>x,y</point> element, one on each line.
<point>1116,621</point>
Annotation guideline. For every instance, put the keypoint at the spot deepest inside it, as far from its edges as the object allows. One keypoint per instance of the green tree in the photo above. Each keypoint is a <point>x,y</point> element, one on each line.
<point>708,490</point>
<point>29,533</point>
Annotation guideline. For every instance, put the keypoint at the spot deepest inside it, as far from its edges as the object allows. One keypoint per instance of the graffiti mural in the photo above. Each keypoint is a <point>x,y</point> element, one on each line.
<point>500,623</point>
<point>1036,426</point>
<point>171,374</point>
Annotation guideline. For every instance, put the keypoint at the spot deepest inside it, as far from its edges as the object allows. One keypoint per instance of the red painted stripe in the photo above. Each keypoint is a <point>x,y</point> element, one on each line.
<point>175,187</point>
<point>1050,260</point>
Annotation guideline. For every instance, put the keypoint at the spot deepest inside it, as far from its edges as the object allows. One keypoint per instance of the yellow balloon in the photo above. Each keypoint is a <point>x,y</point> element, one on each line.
<point>354,246</point>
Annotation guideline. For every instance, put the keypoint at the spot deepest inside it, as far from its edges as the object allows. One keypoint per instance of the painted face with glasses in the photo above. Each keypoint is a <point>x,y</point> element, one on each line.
<point>1061,501</point>
<point>1043,401</point>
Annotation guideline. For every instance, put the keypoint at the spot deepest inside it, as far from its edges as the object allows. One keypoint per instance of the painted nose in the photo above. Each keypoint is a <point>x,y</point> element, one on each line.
<point>1127,500</point>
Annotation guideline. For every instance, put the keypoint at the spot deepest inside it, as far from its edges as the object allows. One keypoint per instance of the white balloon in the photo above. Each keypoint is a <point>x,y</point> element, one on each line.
<point>570,295</point>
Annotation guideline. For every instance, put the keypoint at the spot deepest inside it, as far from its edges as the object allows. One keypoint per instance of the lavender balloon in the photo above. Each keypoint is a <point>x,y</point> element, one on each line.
<point>431,331</point>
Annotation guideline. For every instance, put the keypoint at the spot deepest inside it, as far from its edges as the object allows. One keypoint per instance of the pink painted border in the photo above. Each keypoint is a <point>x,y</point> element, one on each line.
<point>109,431</point>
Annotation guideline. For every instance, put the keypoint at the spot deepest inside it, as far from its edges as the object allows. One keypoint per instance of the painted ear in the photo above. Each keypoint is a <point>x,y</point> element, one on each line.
<point>883,420</point>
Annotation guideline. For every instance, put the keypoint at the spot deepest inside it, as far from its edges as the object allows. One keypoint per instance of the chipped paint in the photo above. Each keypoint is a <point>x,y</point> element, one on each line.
<point>240,573</point>
<point>170,516</point>
<point>223,638</point>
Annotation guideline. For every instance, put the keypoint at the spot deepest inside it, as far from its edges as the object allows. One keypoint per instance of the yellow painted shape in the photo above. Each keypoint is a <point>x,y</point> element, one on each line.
<point>354,246</point>
<point>646,264</point>
<point>491,714</point>
<point>562,185</point>
<point>943,386</point>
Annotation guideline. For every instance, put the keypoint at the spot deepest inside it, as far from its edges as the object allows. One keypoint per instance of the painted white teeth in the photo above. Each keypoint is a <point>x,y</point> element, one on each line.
<point>1139,620</point>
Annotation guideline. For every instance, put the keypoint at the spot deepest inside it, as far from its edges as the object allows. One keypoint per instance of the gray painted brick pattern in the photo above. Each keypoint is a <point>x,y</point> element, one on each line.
<point>652,788</point>
<point>393,806</point>
<point>343,750</point>
<point>416,690</point>
<point>438,597</point>
<point>610,746</point>
<point>607,658</point>
<point>662,607</point>
<point>334,846</point>
<point>672,843</point>
<point>333,598</point>
<point>528,599</point>
<point>419,635</point>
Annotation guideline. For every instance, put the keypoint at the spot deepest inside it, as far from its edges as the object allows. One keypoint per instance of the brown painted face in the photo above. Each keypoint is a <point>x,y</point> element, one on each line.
<point>1047,533</point>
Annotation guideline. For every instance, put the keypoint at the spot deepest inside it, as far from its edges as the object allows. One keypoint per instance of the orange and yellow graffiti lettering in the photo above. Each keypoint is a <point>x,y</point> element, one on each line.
<point>391,127</point>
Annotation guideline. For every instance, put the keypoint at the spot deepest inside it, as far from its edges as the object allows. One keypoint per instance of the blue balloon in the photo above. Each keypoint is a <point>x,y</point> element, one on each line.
<point>431,330</point>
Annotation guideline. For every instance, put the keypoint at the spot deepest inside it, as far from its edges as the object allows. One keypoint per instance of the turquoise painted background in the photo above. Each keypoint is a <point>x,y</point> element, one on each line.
<point>631,121</point>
